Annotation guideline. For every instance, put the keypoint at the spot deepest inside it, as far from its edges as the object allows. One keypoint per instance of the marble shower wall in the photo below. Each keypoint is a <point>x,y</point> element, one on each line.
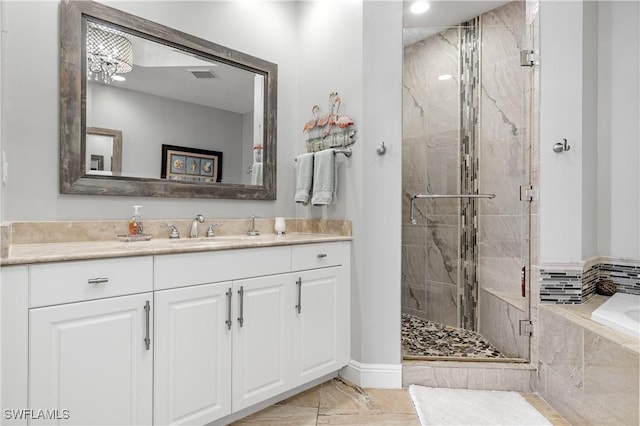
<point>430,157</point>
<point>504,150</point>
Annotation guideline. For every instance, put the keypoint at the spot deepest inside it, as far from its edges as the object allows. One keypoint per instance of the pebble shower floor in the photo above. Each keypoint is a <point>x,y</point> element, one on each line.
<point>422,338</point>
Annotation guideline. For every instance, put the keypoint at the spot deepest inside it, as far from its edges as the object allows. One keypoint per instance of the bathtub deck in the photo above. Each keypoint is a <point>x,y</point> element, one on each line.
<point>581,314</point>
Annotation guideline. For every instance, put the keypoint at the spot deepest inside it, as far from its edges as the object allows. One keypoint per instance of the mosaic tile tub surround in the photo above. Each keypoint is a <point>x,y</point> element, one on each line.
<point>576,284</point>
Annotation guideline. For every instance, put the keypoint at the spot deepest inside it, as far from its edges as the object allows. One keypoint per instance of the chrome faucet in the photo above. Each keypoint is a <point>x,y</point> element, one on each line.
<point>253,232</point>
<point>194,226</point>
<point>174,231</point>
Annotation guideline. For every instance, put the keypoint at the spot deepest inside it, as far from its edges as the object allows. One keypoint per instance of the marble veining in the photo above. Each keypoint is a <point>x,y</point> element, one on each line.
<point>98,240</point>
<point>588,372</point>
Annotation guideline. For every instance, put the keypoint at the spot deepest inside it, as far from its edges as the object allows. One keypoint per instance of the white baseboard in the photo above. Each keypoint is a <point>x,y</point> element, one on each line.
<point>383,376</point>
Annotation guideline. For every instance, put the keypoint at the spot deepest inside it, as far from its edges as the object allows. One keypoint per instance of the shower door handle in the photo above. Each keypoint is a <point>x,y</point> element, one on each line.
<point>523,281</point>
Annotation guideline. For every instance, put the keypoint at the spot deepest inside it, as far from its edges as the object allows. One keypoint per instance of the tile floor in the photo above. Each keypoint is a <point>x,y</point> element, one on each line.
<point>337,402</point>
<point>422,338</point>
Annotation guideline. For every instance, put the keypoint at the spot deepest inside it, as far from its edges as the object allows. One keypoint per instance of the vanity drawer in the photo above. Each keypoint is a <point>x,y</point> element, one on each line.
<point>56,283</point>
<point>186,269</point>
<point>321,255</point>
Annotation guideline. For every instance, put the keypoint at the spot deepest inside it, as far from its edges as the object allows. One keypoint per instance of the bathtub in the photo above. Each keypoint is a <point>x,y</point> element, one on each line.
<point>621,312</point>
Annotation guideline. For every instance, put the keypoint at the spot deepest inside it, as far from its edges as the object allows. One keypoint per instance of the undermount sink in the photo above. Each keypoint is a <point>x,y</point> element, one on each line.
<point>212,240</point>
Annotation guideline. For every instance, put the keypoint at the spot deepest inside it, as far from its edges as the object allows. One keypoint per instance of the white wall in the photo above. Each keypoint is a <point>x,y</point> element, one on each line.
<point>2,84</point>
<point>381,223</point>
<point>589,129</point>
<point>619,129</point>
<point>31,114</point>
<point>360,57</point>
<point>561,117</point>
<point>191,125</point>
<point>590,94</point>
<point>318,46</point>
<point>355,48</point>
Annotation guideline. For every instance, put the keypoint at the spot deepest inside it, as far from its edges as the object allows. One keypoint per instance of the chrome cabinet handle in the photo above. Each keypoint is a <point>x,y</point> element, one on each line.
<point>97,280</point>
<point>147,339</point>
<point>322,255</point>
<point>228,321</point>
<point>241,317</point>
<point>299,305</point>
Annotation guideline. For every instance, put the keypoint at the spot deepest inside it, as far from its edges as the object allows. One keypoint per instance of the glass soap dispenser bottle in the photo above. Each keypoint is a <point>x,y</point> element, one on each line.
<point>135,224</point>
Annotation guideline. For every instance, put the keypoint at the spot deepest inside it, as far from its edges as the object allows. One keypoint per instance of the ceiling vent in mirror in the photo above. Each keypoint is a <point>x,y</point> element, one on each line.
<point>202,74</point>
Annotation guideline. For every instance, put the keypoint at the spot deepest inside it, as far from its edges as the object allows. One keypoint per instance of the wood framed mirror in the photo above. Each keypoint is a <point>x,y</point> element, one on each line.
<point>177,90</point>
<point>103,151</point>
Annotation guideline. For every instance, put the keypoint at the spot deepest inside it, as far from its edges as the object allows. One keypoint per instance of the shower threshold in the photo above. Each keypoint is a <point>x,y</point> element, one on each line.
<point>432,341</point>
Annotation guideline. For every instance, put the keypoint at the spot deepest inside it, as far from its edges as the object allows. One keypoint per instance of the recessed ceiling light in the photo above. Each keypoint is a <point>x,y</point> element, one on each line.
<point>419,7</point>
<point>445,77</point>
<point>118,78</point>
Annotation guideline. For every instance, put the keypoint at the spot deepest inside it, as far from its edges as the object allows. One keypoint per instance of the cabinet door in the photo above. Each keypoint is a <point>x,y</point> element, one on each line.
<point>92,360</point>
<point>192,354</point>
<point>321,325</point>
<point>261,338</point>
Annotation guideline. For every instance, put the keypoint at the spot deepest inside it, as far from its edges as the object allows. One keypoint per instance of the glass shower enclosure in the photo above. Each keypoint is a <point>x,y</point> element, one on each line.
<point>466,160</point>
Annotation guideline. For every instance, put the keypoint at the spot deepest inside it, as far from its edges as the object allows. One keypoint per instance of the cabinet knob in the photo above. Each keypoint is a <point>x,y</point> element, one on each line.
<point>322,255</point>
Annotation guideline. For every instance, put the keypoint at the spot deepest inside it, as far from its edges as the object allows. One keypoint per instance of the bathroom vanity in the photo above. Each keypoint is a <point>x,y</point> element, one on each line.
<point>171,332</point>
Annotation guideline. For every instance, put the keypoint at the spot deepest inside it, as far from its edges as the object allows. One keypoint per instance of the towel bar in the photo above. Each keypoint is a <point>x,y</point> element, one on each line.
<point>346,151</point>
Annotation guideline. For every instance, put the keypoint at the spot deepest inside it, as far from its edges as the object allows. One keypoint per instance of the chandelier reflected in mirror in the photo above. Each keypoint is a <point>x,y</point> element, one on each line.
<point>109,53</point>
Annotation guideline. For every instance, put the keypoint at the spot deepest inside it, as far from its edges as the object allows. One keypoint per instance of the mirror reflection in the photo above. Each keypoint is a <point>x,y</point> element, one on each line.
<point>158,95</point>
<point>158,87</point>
<point>103,152</point>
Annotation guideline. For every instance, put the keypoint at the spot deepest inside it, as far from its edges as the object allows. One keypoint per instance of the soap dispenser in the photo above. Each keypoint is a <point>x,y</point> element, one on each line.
<point>135,224</point>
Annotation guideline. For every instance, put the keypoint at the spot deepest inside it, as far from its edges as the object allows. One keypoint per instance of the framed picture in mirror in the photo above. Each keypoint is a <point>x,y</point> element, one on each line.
<point>186,164</point>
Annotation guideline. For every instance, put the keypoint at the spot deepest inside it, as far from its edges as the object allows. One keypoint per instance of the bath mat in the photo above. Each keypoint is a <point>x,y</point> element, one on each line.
<point>440,406</point>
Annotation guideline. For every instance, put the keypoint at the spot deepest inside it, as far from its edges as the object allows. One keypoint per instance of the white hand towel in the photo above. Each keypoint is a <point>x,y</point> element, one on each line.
<point>256,174</point>
<point>304,178</point>
<point>325,178</point>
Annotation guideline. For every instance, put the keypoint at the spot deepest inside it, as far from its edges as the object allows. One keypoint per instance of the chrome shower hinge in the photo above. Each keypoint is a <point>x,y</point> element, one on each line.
<point>526,328</point>
<point>527,58</point>
<point>527,192</point>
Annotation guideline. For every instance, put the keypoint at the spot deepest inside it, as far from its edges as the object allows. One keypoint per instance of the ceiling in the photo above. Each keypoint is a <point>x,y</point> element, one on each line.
<point>442,13</point>
<point>166,72</point>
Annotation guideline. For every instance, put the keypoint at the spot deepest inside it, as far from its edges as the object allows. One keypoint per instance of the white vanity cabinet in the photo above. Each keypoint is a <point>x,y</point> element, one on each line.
<point>192,354</point>
<point>269,346</point>
<point>262,339</point>
<point>93,359</point>
<point>321,331</point>
<point>183,338</point>
<point>90,358</point>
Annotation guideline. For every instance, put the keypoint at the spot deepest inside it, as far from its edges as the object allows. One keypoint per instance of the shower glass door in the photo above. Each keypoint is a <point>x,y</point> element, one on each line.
<point>466,131</point>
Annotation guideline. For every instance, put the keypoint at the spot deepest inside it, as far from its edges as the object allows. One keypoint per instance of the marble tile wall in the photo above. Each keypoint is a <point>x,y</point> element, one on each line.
<point>504,151</point>
<point>504,156</point>
<point>78,231</point>
<point>584,375</point>
<point>469,375</point>
<point>430,152</point>
<point>532,87</point>
<point>500,324</point>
